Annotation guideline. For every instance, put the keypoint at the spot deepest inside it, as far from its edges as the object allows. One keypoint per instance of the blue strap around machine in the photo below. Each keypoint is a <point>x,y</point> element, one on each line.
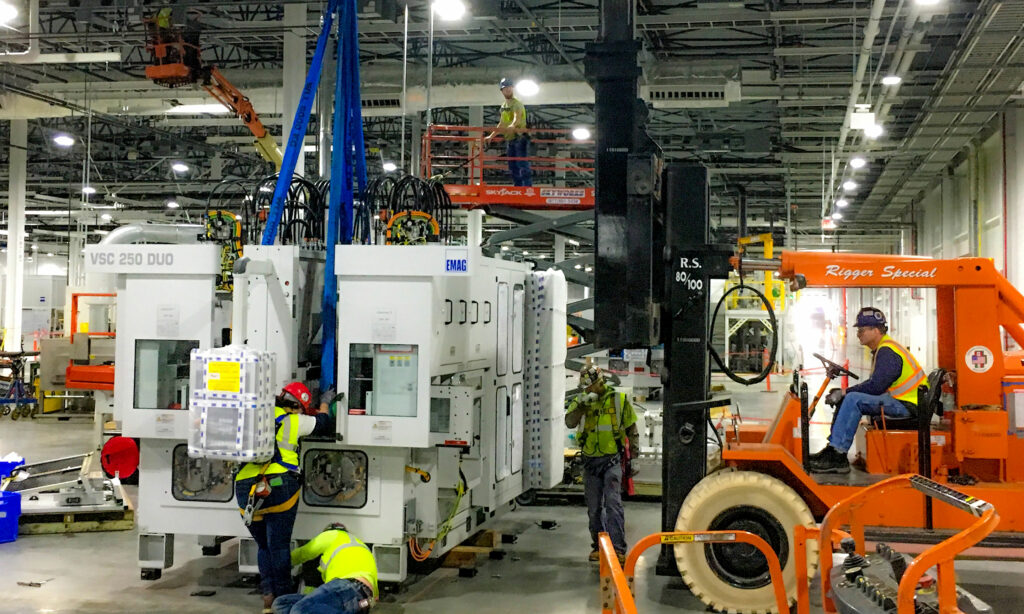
<point>348,163</point>
<point>299,125</point>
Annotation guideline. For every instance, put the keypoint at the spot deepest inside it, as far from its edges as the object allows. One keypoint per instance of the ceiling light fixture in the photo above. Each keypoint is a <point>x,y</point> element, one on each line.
<point>581,133</point>
<point>197,109</point>
<point>389,167</point>
<point>7,12</point>
<point>106,217</point>
<point>172,204</point>
<point>63,140</point>
<point>842,202</point>
<point>35,246</point>
<point>892,80</point>
<point>179,167</point>
<point>50,254</point>
<point>88,190</point>
<point>849,185</point>
<point>837,216</point>
<point>926,2</point>
<point>874,131</point>
<point>858,162</point>
<point>449,10</point>
<point>527,88</point>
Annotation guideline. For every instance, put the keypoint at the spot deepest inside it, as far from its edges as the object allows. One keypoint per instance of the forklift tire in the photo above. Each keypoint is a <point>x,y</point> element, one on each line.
<point>734,577</point>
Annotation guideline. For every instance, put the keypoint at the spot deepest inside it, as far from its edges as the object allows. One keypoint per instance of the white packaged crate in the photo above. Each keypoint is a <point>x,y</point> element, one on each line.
<point>231,406</point>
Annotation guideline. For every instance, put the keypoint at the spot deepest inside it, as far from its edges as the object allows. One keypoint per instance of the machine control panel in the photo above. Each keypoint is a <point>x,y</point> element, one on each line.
<point>870,585</point>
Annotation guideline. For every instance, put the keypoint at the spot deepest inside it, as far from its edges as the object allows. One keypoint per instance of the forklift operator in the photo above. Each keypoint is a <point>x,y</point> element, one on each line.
<point>892,388</point>
<point>607,424</point>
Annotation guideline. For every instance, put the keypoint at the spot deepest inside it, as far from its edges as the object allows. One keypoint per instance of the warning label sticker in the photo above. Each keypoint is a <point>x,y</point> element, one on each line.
<point>222,376</point>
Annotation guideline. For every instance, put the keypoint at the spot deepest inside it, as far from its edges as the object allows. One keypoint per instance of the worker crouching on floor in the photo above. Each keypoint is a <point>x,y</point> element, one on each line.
<point>892,388</point>
<point>607,424</point>
<point>348,570</point>
<point>268,493</point>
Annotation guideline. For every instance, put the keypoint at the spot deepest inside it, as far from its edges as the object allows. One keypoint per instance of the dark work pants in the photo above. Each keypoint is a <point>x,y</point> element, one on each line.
<point>339,596</point>
<point>273,534</point>
<point>602,486</point>
<point>519,147</point>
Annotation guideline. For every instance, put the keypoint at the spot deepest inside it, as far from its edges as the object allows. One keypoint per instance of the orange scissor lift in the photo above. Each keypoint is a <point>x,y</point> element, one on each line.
<point>464,158</point>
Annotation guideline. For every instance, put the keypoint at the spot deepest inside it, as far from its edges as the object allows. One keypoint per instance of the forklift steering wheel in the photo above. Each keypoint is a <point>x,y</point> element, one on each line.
<point>834,369</point>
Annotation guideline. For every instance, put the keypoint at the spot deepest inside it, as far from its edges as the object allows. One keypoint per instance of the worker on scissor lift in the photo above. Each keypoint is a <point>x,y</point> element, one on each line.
<point>892,389</point>
<point>348,570</point>
<point>606,421</point>
<point>268,493</point>
<point>512,128</point>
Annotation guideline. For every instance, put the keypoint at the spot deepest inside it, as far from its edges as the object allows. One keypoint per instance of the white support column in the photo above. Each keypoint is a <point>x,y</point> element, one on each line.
<point>294,72</point>
<point>415,146</point>
<point>476,118</point>
<point>559,249</point>
<point>15,238</point>
<point>475,228</point>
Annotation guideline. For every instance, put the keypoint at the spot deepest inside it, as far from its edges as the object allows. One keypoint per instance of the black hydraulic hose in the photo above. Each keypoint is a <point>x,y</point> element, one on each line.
<point>760,377</point>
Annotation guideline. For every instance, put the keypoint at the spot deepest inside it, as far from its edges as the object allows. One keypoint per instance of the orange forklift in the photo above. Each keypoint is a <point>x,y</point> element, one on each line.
<point>969,433</point>
<point>177,61</point>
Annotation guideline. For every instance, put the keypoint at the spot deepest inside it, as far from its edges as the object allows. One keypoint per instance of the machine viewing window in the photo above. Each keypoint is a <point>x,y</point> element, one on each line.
<point>201,479</point>
<point>382,379</point>
<point>161,373</point>
<point>334,478</point>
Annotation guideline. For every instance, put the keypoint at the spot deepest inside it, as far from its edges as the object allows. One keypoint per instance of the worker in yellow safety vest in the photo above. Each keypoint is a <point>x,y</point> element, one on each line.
<point>348,570</point>
<point>607,427</point>
<point>892,389</point>
<point>267,493</point>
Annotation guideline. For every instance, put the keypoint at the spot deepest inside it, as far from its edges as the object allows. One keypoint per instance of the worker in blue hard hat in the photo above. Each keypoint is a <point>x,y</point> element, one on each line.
<point>892,388</point>
<point>607,429</point>
<point>512,127</point>
<point>349,572</point>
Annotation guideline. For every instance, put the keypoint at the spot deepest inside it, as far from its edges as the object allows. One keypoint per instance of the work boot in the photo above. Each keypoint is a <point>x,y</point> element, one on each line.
<point>830,461</point>
<point>820,453</point>
<point>594,557</point>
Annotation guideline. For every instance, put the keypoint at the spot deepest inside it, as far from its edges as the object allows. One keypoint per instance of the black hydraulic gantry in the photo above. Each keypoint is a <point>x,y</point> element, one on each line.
<point>653,259</point>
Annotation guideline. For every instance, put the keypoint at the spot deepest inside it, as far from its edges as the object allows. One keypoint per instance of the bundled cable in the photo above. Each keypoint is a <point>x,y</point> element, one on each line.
<point>420,554</point>
<point>404,211</point>
<point>775,337</point>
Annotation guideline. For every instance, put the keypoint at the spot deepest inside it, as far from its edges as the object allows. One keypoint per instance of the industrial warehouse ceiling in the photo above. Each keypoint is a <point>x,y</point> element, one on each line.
<point>769,88</point>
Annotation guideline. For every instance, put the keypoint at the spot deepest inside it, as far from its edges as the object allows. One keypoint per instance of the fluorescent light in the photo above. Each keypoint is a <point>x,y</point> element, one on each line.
<point>195,109</point>
<point>849,185</point>
<point>572,241</point>
<point>172,204</point>
<point>842,202</point>
<point>7,12</point>
<point>101,232</point>
<point>389,167</point>
<point>88,189</point>
<point>526,253</point>
<point>873,131</point>
<point>892,80</point>
<point>527,88</point>
<point>504,248</point>
<point>50,254</point>
<point>837,216</point>
<point>106,217</point>
<point>581,133</point>
<point>179,167</point>
<point>35,246</point>
<point>46,213</point>
<point>858,162</point>
<point>578,267</point>
<point>309,148</point>
<point>926,2</point>
<point>64,140</point>
<point>588,269</point>
<point>449,10</point>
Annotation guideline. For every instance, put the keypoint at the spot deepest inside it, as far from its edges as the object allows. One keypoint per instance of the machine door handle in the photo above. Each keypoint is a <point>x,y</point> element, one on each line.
<point>449,307</point>
<point>487,312</point>
<point>476,312</point>
<point>465,307</point>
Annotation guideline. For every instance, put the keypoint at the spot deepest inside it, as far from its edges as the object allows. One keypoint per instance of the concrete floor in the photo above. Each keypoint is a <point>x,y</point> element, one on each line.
<point>544,571</point>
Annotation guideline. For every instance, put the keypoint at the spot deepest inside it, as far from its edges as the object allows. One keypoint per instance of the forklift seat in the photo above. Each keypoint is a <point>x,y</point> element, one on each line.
<point>930,402</point>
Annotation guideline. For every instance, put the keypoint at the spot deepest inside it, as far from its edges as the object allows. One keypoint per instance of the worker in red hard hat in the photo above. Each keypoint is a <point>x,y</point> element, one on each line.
<point>274,487</point>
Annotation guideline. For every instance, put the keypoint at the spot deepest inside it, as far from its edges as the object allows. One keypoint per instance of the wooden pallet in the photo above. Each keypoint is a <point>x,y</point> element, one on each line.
<point>79,521</point>
<point>486,543</point>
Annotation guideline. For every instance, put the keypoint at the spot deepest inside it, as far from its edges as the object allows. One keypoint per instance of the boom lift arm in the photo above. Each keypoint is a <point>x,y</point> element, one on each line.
<point>231,97</point>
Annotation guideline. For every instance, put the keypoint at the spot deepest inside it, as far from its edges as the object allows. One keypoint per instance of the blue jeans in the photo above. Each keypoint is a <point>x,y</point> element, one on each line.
<point>273,534</point>
<point>855,405</point>
<point>519,147</point>
<point>602,488</point>
<point>336,597</point>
